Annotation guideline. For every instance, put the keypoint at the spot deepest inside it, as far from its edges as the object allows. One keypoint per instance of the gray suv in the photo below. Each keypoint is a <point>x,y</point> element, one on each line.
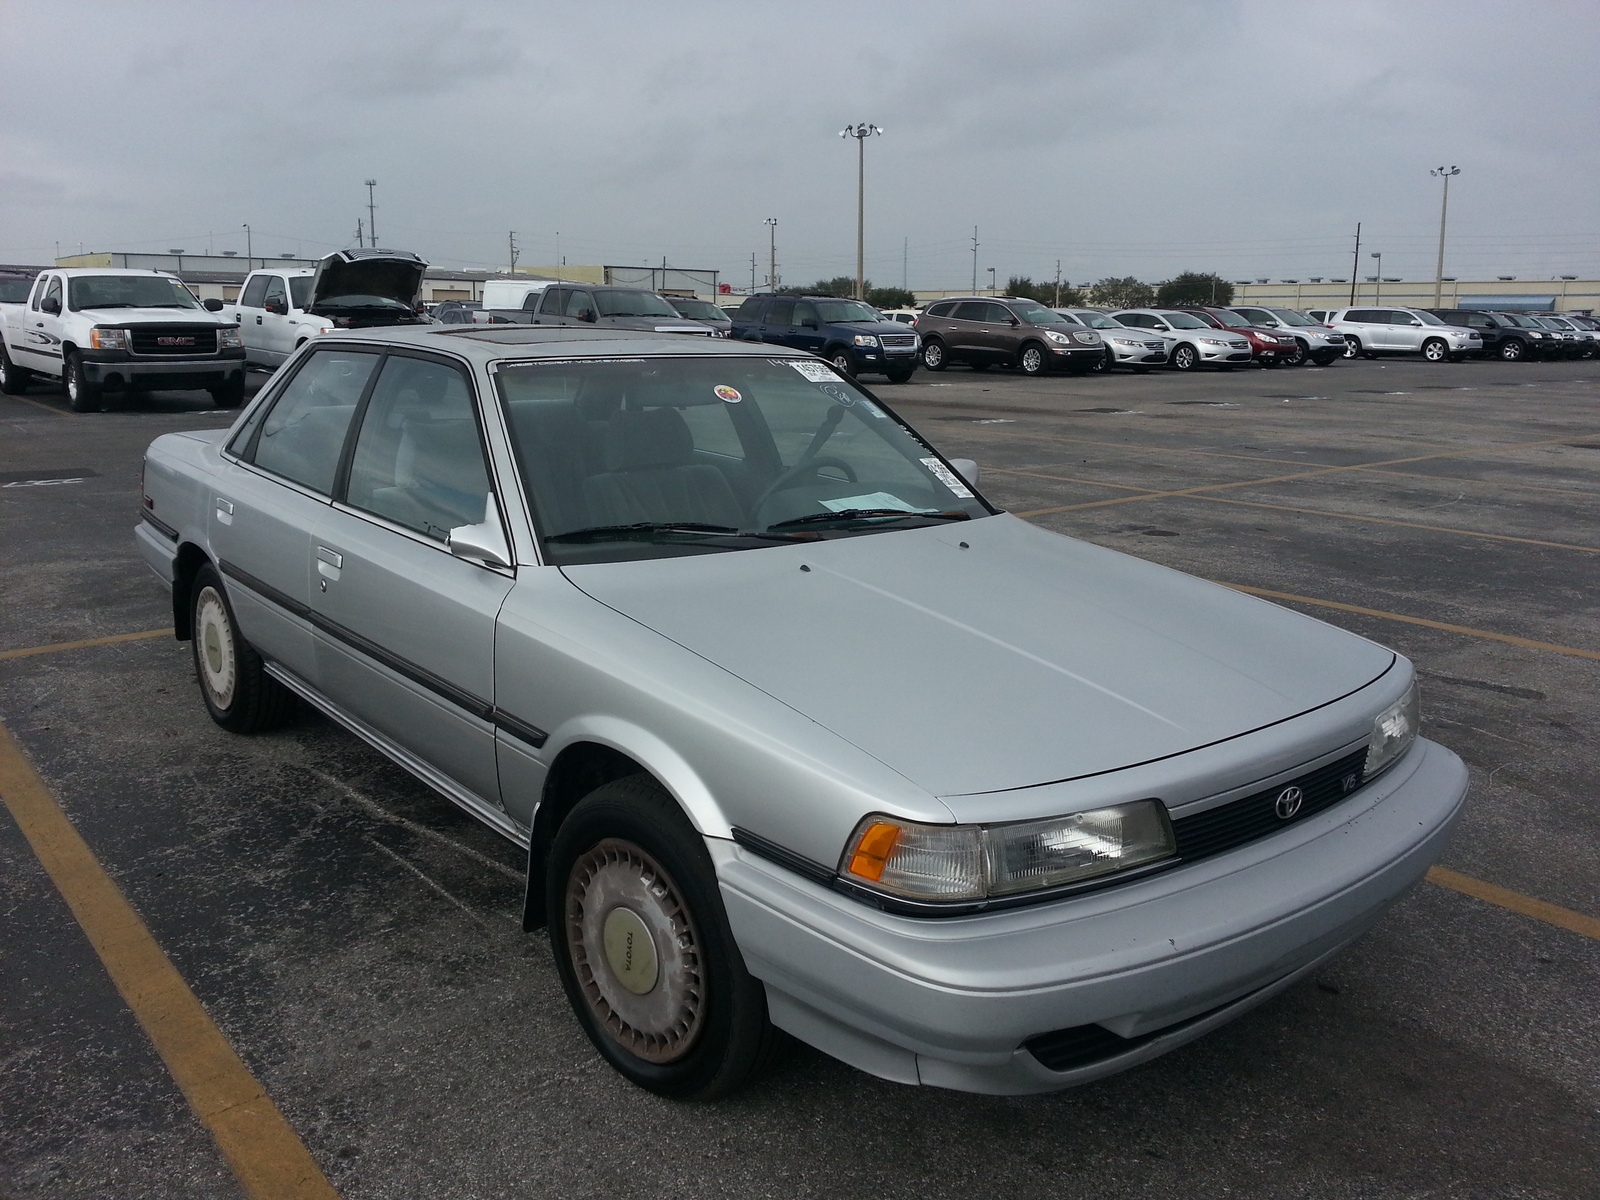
<point>1014,333</point>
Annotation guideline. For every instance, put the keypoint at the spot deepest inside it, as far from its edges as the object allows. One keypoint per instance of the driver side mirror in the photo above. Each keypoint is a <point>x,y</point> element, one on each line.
<point>587,314</point>
<point>483,543</point>
<point>50,305</point>
<point>277,306</point>
<point>213,305</point>
<point>967,469</point>
<point>1013,321</point>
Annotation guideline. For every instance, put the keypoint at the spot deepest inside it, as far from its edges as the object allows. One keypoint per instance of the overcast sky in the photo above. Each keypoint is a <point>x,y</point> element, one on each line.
<point>1121,138</point>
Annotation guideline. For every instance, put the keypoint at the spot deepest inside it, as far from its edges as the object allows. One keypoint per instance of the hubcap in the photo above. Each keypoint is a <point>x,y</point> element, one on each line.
<point>1030,361</point>
<point>636,951</point>
<point>214,638</point>
<point>933,355</point>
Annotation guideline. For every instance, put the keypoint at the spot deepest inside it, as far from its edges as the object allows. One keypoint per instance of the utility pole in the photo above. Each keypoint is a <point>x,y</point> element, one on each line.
<point>1058,284</point>
<point>249,254</point>
<point>861,132</point>
<point>1355,266</point>
<point>372,210</point>
<point>905,261</point>
<point>559,262</point>
<point>772,250</point>
<point>974,260</point>
<point>752,270</point>
<point>361,233</point>
<point>1444,207</point>
<point>1377,281</point>
<point>514,249</point>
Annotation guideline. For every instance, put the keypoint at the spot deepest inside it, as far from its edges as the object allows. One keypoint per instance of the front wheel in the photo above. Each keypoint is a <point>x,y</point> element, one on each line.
<point>843,362</point>
<point>1298,358</point>
<point>82,396</point>
<point>1103,364</point>
<point>900,374</point>
<point>1435,350</point>
<point>229,394</point>
<point>933,355</point>
<point>643,948</point>
<point>1326,358</point>
<point>14,380</point>
<point>1512,349</point>
<point>1185,358</point>
<point>1032,360</point>
<point>239,694</point>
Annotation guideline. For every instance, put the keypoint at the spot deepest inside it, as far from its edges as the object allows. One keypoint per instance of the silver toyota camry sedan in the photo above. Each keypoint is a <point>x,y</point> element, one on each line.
<point>799,731</point>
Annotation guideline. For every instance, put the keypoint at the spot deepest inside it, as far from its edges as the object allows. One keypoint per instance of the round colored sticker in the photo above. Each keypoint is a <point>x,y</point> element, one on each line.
<point>723,392</point>
<point>839,394</point>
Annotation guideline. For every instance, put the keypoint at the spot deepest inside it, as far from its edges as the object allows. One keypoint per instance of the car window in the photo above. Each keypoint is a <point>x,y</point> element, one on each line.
<point>579,303</point>
<point>254,291</point>
<point>1427,318</point>
<point>971,310</point>
<point>276,292</point>
<point>780,312</point>
<point>750,310</point>
<point>1404,318</point>
<point>1136,320</point>
<point>300,290</point>
<point>554,301</point>
<point>302,436</point>
<point>53,291</point>
<point>1364,316</point>
<point>1184,321</point>
<point>1096,320</point>
<point>418,459</point>
<point>940,310</point>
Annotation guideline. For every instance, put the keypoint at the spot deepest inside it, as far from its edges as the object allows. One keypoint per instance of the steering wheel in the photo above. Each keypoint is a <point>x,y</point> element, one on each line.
<point>806,466</point>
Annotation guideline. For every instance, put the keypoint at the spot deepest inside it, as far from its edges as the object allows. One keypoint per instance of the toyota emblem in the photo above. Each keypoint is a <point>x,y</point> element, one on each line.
<point>1289,802</point>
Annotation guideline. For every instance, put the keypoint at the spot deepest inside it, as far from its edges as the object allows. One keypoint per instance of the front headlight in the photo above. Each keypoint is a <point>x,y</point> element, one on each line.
<point>1130,342</point>
<point>228,337</point>
<point>973,862</point>
<point>1215,341</point>
<point>866,339</point>
<point>1393,731</point>
<point>1057,337</point>
<point>108,339</point>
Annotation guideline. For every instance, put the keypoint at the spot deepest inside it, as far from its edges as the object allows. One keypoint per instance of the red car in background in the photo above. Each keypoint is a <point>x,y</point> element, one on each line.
<point>1267,348</point>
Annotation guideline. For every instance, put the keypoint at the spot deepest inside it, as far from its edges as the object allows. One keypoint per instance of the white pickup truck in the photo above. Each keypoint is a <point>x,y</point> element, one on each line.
<point>280,308</point>
<point>108,331</point>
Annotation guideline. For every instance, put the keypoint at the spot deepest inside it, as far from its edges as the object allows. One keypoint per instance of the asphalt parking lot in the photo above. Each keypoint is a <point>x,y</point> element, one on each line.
<point>357,939</point>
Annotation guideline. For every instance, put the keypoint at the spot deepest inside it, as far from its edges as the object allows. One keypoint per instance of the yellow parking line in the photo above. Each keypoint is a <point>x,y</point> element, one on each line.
<point>57,647</point>
<point>1539,910</point>
<point>1510,639</point>
<point>60,412</point>
<point>265,1153</point>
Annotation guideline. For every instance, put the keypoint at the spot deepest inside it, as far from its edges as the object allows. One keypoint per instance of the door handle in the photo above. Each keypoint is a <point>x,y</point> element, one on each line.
<point>329,557</point>
<point>258,318</point>
<point>224,511</point>
<point>328,565</point>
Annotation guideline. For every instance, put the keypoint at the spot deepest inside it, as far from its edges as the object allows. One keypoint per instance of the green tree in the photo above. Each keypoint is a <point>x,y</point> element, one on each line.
<point>890,297</point>
<point>1126,292</point>
<point>1192,287</point>
<point>1024,288</point>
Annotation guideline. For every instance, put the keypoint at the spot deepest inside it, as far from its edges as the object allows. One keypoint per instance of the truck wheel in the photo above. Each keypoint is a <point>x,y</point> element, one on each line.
<point>1512,349</point>
<point>229,394</point>
<point>843,362</point>
<point>82,396</point>
<point>643,948</point>
<point>14,380</point>
<point>900,374</point>
<point>933,356</point>
<point>238,692</point>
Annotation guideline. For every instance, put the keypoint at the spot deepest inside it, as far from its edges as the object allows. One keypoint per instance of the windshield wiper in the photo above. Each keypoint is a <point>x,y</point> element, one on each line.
<point>113,304</point>
<point>863,514</point>
<point>603,533</point>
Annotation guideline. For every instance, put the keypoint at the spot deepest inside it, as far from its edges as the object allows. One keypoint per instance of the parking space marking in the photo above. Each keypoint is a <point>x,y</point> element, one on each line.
<point>1493,483</point>
<point>265,1153</point>
<point>1539,910</point>
<point>58,647</point>
<point>1466,630</point>
<point>60,412</point>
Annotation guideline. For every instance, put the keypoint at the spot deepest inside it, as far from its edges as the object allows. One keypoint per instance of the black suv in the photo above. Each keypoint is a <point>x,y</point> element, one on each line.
<point>1503,336</point>
<point>982,332</point>
<point>855,337</point>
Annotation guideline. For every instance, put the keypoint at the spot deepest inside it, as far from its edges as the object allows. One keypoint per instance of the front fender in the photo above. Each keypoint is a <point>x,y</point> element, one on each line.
<point>654,755</point>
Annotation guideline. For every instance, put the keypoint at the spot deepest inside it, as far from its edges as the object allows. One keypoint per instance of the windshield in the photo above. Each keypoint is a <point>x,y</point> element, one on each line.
<point>1289,317</point>
<point>1038,314</point>
<point>834,311</point>
<point>699,310</point>
<point>1550,323</point>
<point>633,304</point>
<point>1427,318</point>
<point>1520,321</point>
<point>1183,321</point>
<point>1096,320</point>
<point>14,291</point>
<point>653,457</point>
<point>128,291</point>
<point>300,290</point>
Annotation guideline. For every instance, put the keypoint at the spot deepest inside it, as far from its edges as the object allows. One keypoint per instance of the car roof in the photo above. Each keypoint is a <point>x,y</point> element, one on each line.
<point>78,272</point>
<point>493,343</point>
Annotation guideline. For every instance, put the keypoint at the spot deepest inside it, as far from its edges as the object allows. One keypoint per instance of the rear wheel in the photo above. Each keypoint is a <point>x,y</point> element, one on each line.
<point>238,692</point>
<point>933,355</point>
<point>643,948</point>
<point>82,396</point>
<point>980,366</point>
<point>1033,359</point>
<point>14,380</point>
<point>1352,347</point>
<point>1185,358</point>
<point>1435,350</point>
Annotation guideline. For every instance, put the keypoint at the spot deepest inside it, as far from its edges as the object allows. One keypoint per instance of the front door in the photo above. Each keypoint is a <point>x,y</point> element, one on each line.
<point>1405,332</point>
<point>405,630</point>
<point>807,332</point>
<point>39,345</point>
<point>277,326</point>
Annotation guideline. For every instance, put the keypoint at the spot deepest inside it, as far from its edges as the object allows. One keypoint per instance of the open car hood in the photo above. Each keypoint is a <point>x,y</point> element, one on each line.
<point>390,274</point>
<point>987,655</point>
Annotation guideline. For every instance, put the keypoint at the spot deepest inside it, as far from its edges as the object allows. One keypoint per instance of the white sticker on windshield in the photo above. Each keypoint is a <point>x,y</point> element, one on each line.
<point>872,500</point>
<point>816,372</point>
<point>867,406</point>
<point>947,477</point>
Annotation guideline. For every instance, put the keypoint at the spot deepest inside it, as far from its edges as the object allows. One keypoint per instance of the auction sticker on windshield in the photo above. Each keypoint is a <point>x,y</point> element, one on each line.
<point>947,477</point>
<point>814,371</point>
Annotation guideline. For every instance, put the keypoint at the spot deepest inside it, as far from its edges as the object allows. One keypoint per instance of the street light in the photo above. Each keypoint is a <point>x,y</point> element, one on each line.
<point>861,132</point>
<point>249,253</point>
<point>991,279</point>
<point>1444,207</point>
<point>772,267</point>
<point>1377,280</point>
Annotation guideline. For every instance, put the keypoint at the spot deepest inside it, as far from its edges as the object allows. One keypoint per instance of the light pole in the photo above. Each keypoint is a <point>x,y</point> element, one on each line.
<point>772,251</point>
<point>1377,281</point>
<point>1444,207</point>
<point>372,217</point>
<point>249,253</point>
<point>991,279</point>
<point>861,132</point>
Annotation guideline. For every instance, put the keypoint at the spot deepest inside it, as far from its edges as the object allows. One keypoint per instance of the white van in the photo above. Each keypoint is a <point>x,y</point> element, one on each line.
<point>512,293</point>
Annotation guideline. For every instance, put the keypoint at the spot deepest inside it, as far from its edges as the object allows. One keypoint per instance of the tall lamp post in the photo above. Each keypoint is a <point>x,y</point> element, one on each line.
<point>249,252</point>
<point>861,132</point>
<point>772,248</point>
<point>1444,207</point>
<point>1377,281</point>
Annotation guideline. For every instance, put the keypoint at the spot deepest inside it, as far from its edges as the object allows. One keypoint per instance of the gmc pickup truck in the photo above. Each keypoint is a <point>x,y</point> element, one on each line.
<point>280,308</point>
<point>105,331</point>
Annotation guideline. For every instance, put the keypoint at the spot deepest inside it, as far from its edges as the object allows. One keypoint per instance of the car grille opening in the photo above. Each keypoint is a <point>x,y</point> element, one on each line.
<point>898,339</point>
<point>157,340</point>
<point>1256,815</point>
<point>1085,1045</point>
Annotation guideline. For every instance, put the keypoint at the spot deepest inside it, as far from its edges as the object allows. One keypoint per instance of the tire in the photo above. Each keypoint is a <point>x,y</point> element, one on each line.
<point>1352,347</point>
<point>1302,352</point>
<point>229,394</point>
<point>238,693</point>
<point>933,355</point>
<point>1103,364</point>
<point>900,376</point>
<point>1513,350</point>
<point>1184,357</point>
<point>1435,350</point>
<point>1033,358</point>
<point>632,895</point>
<point>843,361</point>
<point>82,396</point>
<point>1326,358</point>
<point>14,380</point>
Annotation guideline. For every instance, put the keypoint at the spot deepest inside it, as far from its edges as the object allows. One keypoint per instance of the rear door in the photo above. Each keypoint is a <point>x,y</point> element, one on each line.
<point>966,332</point>
<point>777,323</point>
<point>404,629</point>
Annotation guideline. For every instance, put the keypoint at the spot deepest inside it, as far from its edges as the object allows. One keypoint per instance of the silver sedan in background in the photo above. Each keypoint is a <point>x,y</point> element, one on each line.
<point>1125,346</point>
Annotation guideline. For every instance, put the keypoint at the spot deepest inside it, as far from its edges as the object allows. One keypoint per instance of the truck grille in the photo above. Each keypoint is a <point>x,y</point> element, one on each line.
<point>172,340</point>
<point>1255,816</point>
<point>898,340</point>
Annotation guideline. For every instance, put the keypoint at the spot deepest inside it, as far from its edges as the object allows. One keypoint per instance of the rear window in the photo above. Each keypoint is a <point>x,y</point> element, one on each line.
<point>14,291</point>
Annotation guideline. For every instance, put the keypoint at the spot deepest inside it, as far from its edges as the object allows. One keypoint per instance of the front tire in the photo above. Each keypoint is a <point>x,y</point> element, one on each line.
<point>238,693</point>
<point>82,396</point>
<point>933,355</point>
<point>1326,358</point>
<point>1185,358</point>
<point>1033,360</point>
<point>1301,353</point>
<point>843,361</point>
<point>14,380</point>
<point>644,951</point>
<point>229,394</point>
<point>1103,364</point>
<point>900,375</point>
<point>1513,350</point>
<point>1435,350</point>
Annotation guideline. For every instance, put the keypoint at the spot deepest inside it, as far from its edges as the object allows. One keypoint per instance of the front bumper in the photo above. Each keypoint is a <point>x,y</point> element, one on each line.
<point>115,369</point>
<point>1159,961</point>
<point>1228,354</point>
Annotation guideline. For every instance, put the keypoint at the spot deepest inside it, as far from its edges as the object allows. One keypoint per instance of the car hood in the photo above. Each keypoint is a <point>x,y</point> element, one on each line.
<point>873,327</point>
<point>151,316</point>
<point>1020,658</point>
<point>393,275</point>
